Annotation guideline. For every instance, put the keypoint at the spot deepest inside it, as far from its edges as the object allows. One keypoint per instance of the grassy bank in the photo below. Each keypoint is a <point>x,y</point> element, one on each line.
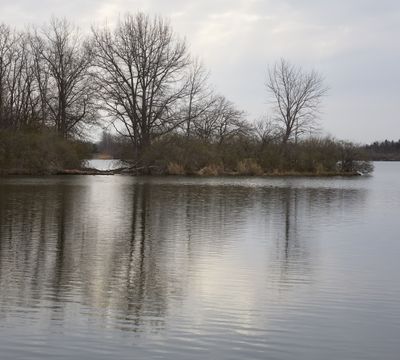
<point>42,153</point>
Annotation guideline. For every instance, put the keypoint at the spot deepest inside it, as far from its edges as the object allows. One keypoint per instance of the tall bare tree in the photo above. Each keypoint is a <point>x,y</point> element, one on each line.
<point>199,97</point>
<point>18,98</point>
<point>22,86</point>
<point>63,62</point>
<point>142,76</point>
<point>8,56</point>
<point>297,96</point>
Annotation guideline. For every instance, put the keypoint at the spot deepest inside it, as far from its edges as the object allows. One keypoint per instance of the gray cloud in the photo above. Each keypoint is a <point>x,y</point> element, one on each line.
<point>353,43</point>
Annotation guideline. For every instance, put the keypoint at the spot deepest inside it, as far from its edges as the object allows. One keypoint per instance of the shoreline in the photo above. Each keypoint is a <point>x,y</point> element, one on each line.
<point>135,173</point>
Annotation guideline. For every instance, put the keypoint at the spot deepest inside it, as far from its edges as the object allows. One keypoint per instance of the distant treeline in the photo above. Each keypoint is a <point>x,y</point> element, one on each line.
<point>383,151</point>
<point>139,79</point>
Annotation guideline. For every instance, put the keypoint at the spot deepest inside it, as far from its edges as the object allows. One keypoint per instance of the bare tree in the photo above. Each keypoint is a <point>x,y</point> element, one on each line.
<point>220,121</point>
<point>62,62</point>
<point>141,73</point>
<point>22,86</point>
<point>199,97</point>
<point>297,97</point>
<point>42,77</point>
<point>266,131</point>
<point>8,41</point>
<point>18,99</point>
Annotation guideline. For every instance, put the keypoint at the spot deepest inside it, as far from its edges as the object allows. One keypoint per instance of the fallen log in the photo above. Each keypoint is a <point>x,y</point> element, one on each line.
<point>127,170</point>
<point>85,172</point>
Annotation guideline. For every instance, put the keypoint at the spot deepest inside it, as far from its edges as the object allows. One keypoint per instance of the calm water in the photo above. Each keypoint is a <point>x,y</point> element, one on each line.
<point>187,268</point>
<point>103,164</point>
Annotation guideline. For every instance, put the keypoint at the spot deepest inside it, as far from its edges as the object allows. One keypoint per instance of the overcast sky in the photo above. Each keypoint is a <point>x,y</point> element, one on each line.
<point>353,43</point>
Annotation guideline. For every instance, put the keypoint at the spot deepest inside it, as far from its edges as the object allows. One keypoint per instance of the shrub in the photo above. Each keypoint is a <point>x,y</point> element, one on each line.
<point>179,154</point>
<point>37,152</point>
<point>191,153</point>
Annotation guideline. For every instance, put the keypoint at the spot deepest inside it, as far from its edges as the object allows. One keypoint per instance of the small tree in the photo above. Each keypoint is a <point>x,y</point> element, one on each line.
<point>62,62</point>
<point>297,97</point>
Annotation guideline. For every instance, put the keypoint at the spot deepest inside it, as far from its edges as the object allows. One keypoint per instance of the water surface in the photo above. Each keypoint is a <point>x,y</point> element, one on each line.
<point>100,267</point>
<point>101,164</point>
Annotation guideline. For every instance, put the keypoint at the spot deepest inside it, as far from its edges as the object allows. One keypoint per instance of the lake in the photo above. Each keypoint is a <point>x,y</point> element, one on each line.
<point>100,267</point>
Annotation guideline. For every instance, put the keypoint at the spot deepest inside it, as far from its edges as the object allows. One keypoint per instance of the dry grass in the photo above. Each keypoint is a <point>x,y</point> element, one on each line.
<point>211,170</point>
<point>175,169</point>
<point>249,167</point>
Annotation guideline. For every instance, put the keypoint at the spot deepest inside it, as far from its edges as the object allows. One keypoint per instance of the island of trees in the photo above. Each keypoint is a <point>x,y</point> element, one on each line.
<point>138,80</point>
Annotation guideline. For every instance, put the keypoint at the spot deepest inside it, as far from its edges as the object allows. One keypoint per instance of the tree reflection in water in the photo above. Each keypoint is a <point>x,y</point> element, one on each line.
<point>133,252</point>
